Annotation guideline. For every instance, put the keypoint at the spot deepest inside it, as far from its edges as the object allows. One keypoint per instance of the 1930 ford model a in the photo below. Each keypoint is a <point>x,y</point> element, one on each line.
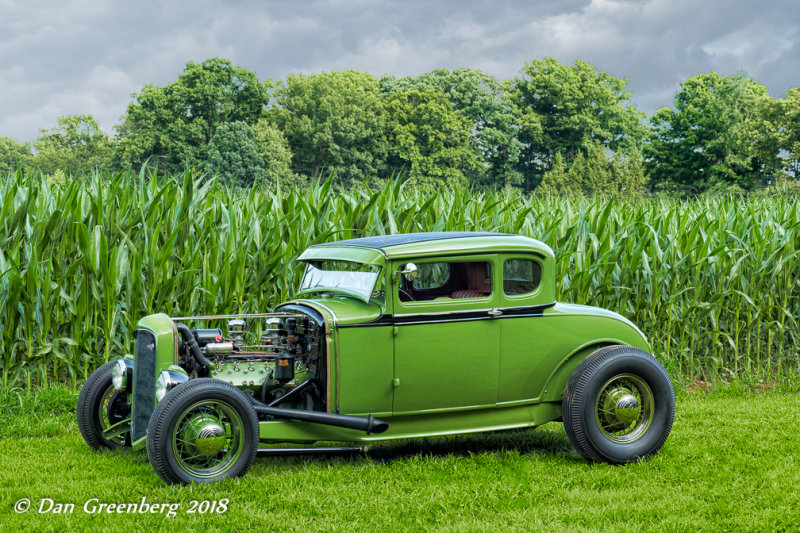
<point>389,337</point>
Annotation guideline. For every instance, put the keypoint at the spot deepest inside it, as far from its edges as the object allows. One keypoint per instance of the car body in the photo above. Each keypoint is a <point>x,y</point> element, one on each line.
<point>389,337</point>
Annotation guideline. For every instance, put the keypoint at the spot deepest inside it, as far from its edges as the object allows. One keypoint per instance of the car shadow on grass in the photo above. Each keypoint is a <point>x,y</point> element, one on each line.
<point>543,441</point>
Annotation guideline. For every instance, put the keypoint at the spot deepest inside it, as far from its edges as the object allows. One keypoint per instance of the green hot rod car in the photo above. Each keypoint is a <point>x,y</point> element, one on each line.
<point>397,336</point>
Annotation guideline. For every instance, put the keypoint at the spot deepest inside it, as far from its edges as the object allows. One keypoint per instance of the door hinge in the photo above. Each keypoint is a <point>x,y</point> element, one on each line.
<point>396,382</point>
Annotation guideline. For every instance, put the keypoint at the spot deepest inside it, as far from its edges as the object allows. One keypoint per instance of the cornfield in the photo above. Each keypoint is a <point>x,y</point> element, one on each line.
<point>713,283</point>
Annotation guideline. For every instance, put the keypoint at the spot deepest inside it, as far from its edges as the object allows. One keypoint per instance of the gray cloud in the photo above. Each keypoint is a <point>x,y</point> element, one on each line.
<point>87,57</point>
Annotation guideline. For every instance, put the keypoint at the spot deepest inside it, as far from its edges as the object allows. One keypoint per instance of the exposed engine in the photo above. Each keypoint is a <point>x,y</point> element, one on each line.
<point>276,357</point>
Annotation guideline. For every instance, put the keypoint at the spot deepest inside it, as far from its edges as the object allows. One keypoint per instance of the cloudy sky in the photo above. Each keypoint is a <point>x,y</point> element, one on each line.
<point>62,57</point>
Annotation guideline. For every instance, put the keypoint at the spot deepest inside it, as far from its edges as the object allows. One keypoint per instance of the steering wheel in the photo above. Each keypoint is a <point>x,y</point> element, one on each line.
<point>405,293</point>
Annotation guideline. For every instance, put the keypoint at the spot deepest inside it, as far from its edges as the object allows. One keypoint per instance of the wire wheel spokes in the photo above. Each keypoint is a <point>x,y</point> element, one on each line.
<point>624,408</point>
<point>208,438</point>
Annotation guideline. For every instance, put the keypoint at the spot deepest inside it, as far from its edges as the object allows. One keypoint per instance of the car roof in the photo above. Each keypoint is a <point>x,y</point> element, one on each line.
<point>381,242</point>
<point>431,243</point>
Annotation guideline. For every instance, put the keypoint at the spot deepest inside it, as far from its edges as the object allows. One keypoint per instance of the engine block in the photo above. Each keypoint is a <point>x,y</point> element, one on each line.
<point>250,375</point>
<point>265,355</point>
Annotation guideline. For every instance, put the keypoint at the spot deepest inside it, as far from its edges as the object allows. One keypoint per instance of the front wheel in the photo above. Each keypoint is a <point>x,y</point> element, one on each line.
<point>100,406</point>
<point>203,430</point>
<point>618,405</point>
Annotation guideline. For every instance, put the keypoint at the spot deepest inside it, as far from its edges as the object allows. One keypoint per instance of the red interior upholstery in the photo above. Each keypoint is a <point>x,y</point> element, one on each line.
<point>469,293</point>
<point>476,278</point>
<point>477,284</point>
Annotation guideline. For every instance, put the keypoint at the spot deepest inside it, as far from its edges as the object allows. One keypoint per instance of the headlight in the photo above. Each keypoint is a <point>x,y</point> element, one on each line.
<point>168,379</point>
<point>119,374</point>
<point>161,385</point>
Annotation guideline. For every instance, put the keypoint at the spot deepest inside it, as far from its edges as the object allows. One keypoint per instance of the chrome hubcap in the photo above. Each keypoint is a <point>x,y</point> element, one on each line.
<point>627,409</point>
<point>210,439</point>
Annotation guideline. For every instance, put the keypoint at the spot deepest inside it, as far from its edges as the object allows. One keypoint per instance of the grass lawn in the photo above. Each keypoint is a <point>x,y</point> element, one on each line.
<point>731,463</point>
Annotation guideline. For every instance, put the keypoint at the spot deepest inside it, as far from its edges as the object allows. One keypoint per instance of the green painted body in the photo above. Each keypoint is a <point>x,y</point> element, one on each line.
<point>426,371</point>
<point>162,327</point>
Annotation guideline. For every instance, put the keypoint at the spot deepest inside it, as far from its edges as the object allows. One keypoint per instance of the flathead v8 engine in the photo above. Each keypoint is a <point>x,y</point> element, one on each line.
<point>278,358</point>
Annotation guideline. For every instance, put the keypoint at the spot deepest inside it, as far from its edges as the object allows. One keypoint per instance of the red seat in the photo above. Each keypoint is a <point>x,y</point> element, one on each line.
<point>469,293</point>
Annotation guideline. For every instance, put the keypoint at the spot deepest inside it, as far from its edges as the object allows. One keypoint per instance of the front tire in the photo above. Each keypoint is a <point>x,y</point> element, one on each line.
<point>618,405</point>
<point>101,406</point>
<point>203,430</point>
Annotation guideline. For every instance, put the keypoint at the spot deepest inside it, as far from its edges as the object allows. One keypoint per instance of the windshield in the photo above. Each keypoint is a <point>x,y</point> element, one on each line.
<point>355,278</point>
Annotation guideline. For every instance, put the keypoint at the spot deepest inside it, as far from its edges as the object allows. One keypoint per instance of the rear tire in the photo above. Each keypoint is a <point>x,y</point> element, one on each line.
<point>618,405</point>
<point>100,406</point>
<point>203,430</point>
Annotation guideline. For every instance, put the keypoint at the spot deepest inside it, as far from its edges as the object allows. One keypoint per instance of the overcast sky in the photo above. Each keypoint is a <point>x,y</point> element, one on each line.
<point>82,57</point>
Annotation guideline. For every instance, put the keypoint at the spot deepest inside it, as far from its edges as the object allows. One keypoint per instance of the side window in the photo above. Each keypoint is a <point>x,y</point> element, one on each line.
<point>432,275</point>
<point>457,279</point>
<point>521,276</point>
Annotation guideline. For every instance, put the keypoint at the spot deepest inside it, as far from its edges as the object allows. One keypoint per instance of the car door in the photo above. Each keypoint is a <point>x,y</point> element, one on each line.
<point>446,342</point>
<point>528,339</point>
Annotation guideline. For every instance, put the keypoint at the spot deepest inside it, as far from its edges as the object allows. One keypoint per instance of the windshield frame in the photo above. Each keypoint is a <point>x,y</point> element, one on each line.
<point>340,290</point>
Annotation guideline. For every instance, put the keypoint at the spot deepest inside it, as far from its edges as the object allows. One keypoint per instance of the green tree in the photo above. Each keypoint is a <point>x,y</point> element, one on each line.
<point>594,172</point>
<point>428,139</point>
<point>718,136</point>
<point>12,155</point>
<point>566,109</point>
<point>482,100</point>
<point>334,122</point>
<point>173,125</point>
<point>557,181</point>
<point>788,109</point>
<point>632,176</point>
<point>233,153</point>
<point>274,150</point>
<point>76,146</point>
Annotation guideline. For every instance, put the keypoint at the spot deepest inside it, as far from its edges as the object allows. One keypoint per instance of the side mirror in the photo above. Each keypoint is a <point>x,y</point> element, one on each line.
<point>410,272</point>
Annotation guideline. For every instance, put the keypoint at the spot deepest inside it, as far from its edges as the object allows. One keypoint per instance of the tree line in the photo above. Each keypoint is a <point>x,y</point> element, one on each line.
<point>559,128</point>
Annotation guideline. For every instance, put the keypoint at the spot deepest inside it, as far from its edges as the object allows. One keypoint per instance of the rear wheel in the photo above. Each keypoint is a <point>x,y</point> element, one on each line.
<point>618,405</point>
<point>100,406</point>
<point>203,430</point>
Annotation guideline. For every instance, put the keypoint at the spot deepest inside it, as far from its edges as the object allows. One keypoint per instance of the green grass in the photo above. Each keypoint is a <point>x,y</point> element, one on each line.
<point>731,463</point>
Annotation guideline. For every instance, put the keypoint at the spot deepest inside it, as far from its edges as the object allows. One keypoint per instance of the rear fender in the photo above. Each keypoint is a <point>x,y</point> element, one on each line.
<point>557,382</point>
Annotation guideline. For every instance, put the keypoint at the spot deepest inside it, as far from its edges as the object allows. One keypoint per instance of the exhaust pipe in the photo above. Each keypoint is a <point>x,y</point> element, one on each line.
<point>369,423</point>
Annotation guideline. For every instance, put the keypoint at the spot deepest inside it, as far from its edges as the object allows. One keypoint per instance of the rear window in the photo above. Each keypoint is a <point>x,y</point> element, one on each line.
<point>521,276</point>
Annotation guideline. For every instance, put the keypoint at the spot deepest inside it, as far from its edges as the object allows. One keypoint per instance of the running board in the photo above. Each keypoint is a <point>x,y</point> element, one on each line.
<point>311,450</point>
